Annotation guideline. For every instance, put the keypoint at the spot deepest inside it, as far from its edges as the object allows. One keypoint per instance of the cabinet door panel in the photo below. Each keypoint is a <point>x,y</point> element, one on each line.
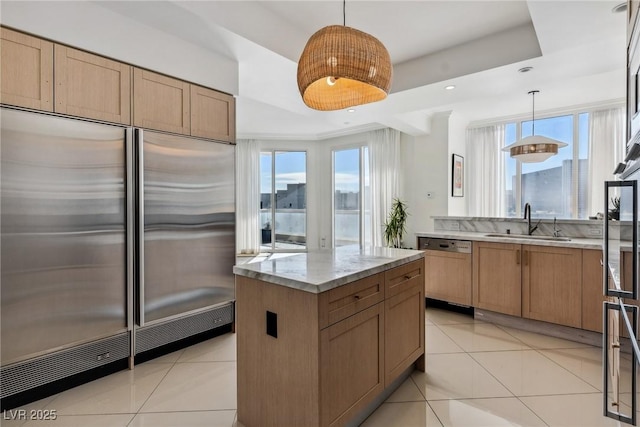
<point>448,276</point>
<point>552,284</point>
<point>351,361</point>
<point>91,86</point>
<point>496,277</point>
<point>404,331</point>
<point>26,71</point>
<point>160,102</point>
<point>212,114</point>
<point>592,293</point>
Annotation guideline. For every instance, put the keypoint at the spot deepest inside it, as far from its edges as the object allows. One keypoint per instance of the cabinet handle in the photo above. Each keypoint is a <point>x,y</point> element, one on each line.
<point>518,257</point>
<point>407,277</point>
<point>356,296</point>
<point>526,257</point>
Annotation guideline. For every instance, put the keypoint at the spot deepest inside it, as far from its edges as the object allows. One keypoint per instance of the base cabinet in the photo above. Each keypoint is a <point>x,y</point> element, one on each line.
<point>404,331</point>
<point>496,277</point>
<point>552,284</point>
<point>333,353</point>
<point>448,276</point>
<point>353,349</point>
<point>592,293</point>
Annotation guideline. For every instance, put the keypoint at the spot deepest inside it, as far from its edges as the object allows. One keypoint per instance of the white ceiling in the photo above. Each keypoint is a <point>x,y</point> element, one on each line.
<point>577,49</point>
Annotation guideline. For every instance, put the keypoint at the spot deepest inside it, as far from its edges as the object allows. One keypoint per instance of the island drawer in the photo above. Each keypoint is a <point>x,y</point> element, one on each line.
<point>400,278</point>
<point>339,303</point>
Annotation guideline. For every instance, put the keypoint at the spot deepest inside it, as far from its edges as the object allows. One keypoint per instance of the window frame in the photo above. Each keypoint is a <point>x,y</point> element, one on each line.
<point>272,248</point>
<point>361,147</point>
<point>575,146</point>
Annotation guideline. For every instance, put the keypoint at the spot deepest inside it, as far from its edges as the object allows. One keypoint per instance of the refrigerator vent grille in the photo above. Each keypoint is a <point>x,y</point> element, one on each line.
<point>154,336</point>
<point>33,373</point>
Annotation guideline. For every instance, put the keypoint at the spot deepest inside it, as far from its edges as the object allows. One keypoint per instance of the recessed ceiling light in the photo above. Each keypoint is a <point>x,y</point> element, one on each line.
<point>351,110</point>
<point>525,69</point>
<point>622,7</point>
<point>450,87</point>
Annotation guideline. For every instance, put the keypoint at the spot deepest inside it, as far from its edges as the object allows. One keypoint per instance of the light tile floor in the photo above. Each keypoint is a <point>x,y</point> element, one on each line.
<point>478,374</point>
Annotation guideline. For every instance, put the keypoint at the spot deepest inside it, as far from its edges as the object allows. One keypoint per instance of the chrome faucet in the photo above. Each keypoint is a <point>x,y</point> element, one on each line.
<point>556,230</point>
<point>527,216</point>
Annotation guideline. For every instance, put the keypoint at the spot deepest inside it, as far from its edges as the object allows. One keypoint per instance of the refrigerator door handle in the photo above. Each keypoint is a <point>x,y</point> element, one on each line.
<point>139,141</point>
<point>130,239</point>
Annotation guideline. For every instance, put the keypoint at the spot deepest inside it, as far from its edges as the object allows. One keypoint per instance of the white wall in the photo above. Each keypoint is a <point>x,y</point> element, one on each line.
<point>88,26</point>
<point>457,206</point>
<point>425,164</point>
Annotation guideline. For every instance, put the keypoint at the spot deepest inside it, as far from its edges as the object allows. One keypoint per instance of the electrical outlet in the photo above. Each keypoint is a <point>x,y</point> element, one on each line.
<point>594,230</point>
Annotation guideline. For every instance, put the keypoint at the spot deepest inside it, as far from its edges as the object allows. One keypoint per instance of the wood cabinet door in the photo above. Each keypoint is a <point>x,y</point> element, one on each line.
<point>91,86</point>
<point>160,102</point>
<point>403,331</point>
<point>592,292</point>
<point>351,365</point>
<point>26,71</point>
<point>552,284</point>
<point>448,276</point>
<point>496,277</point>
<point>213,114</point>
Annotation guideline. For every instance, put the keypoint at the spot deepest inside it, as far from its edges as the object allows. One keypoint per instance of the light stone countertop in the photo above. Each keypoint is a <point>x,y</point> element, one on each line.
<point>320,270</point>
<point>575,242</point>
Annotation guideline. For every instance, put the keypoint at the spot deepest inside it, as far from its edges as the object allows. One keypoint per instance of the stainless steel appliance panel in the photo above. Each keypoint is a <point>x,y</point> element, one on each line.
<point>189,225</point>
<point>62,233</point>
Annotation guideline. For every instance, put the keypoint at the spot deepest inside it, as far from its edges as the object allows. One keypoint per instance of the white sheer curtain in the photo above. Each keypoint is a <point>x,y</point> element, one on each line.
<point>247,196</point>
<point>606,150</point>
<point>486,171</point>
<point>384,164</point>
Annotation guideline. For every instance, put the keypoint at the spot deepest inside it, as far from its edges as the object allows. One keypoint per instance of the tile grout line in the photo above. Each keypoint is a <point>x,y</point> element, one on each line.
<point>154,389</point>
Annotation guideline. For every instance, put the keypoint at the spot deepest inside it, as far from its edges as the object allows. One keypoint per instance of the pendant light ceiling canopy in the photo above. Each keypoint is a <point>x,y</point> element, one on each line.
<point>534,148</point>
<point>342,67</point>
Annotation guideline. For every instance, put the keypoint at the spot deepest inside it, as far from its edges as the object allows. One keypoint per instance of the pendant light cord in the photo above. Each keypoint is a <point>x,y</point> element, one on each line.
<point>344,13</point>
<point>533,113</point>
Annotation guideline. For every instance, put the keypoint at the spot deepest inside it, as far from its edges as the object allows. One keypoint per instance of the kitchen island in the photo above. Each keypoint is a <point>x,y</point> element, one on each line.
<point>325,336</point>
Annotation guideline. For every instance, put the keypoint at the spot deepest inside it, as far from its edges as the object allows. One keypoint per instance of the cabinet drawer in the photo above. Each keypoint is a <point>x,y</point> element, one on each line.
<point>340,303</point>
<point>403,277</point>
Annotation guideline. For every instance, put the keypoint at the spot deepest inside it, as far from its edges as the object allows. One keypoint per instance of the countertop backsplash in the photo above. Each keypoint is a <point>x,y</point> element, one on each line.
<point>591,229</point>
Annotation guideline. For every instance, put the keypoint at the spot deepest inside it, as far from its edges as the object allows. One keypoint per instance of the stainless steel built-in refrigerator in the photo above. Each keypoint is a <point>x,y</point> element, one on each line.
<point>114,241</point>
<point>186,237</point>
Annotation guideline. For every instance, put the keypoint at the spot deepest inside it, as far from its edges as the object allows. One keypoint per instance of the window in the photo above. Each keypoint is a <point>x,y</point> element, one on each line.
<point>283,200</point>
<point>553,188</point>
<point>351,210</point>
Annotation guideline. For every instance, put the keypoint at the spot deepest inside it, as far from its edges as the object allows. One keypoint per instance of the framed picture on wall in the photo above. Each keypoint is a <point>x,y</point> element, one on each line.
<point>457,176</point>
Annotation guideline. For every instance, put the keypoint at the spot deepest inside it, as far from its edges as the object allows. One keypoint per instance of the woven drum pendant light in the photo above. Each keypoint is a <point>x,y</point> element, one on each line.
<point>341,67</point>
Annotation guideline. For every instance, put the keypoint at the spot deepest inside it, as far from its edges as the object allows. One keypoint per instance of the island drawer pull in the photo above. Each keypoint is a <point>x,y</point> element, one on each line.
<point>518,257</point>
<point>356,296</point>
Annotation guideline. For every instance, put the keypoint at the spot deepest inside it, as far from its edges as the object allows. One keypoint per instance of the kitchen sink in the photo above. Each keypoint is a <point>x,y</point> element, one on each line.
<point>526,236</point>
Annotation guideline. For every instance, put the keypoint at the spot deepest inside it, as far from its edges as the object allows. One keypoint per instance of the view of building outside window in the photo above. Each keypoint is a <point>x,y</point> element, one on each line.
<point>351,195</point>
<point>283,200</point>
<point>552,188</point>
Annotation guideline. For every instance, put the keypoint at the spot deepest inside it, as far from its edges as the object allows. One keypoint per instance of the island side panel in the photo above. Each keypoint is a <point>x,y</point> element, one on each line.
<point>278,378</point>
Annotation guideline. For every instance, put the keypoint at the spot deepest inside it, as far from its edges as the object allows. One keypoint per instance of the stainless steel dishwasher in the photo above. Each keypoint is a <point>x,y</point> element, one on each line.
<point>447,270</point>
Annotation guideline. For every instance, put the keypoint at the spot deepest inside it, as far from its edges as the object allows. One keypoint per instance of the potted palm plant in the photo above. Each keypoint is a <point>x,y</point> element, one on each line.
<point>394,227</point>
<point>614,211</point>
